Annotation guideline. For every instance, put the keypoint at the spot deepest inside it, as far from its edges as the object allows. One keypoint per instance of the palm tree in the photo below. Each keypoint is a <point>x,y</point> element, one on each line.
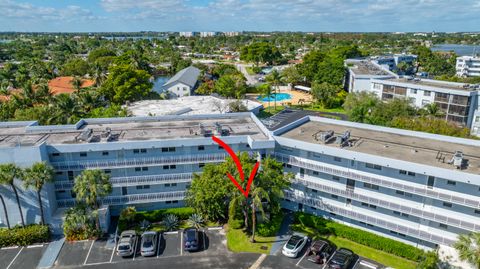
<point>275,78</point>
<point>170,222</point>
<point>267,91</point>
<point>196,220</point>
<point>5,211</point>
<point>433,110</point>
<point>90,186</point>
<point>468,247</point>
<point>76,83</point>
<point>258,195</point>
<point>37,176</point>
<point>8,173</point>
<point>238,200</point>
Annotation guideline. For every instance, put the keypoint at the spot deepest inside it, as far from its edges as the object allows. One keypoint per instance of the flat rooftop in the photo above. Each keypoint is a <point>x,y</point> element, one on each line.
<point>434,83</point>
<point>391,143</point>
<point>132,129</point>
<point>366,67</point>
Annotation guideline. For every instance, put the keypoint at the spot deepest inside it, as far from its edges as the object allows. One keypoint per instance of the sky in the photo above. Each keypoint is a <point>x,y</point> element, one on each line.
<point>240,15</point>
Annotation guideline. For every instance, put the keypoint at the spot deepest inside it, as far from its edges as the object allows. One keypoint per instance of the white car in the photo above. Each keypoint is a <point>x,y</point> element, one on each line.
<point>126,243</point>
<point>148,244</point>
<point>294,245</point>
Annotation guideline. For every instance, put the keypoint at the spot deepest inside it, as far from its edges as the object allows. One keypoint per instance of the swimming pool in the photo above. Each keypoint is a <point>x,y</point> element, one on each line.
<point>275,97</point>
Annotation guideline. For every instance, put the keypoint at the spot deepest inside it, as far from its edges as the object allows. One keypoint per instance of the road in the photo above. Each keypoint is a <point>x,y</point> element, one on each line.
<point>251,80</point>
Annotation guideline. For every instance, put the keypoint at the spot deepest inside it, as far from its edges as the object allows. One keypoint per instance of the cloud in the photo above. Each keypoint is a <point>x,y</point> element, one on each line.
<point>14,10</point>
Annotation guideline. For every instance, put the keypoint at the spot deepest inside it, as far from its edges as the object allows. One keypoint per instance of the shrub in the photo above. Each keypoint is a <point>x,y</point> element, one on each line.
<point>170,222</point>
<point>22,236</point>
<point>183,213</point>
<point>271,227</point>
<point>235,223</point>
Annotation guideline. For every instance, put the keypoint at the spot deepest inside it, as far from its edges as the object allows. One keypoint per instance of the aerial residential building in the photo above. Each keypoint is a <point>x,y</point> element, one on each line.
<point>458,101</point>
<point>468,66</point>
<point>183,83</point>
<point>362,71</point>
<point>208,34</point>
<point>422,189</point>
<point>231,33</point>
<point>187,34</point>
<point>391,61</point>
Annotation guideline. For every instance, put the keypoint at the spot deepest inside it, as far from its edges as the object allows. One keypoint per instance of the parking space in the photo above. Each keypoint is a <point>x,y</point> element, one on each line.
<point>100,252</point>
<point>21,257</point>
<point>74,253</point>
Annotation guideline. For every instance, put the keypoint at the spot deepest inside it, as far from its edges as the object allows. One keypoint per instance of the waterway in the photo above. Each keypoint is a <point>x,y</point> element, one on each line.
<point>462,50</point>
<point>158,83</point>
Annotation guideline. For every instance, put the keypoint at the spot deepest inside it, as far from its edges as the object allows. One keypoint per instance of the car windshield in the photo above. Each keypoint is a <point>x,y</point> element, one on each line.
<point>148,241</point>
<point>124,247</point>
<point>190,235</point>
<point>293,242</point>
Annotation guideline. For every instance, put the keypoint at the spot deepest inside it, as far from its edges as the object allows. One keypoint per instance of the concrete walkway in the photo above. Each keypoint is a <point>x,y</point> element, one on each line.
<point>283,234</point>
<point>50,256</point>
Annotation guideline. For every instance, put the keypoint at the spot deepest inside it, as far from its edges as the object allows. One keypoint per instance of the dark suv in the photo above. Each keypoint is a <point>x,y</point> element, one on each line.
<point>342,258</point>
<point>320,251</point>
<point>190,239</point>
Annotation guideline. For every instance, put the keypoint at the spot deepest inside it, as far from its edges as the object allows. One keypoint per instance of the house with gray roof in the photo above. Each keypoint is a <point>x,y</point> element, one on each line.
<point>183,83</point>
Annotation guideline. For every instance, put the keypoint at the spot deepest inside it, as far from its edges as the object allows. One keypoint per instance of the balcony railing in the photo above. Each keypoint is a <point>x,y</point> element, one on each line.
<point>154,161</point>
<point>470,226</point>
<point>131,199</point>
<point>317,203</point>
<point>391,183</point>
<point>136,180</point>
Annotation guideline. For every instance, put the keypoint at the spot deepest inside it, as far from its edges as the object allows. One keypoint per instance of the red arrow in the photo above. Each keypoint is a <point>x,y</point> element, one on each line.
<point>239,168</point>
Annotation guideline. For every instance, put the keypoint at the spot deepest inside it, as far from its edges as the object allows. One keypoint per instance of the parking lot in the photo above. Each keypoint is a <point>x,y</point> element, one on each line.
<point>21,257</point>
<point>102,252</point>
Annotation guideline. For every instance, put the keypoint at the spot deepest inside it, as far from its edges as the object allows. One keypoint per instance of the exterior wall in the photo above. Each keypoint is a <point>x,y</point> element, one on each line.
<point>468,66</point>
<point>178,90</point>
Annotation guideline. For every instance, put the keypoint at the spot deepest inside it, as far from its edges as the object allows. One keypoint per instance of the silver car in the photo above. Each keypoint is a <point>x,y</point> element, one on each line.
<point>126,243</point>
<point>149,243</point>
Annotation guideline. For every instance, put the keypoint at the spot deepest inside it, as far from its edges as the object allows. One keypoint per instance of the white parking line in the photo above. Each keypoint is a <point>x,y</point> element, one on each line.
<point>135,247</point>
<point>181,243</point>
<point>203,240</point>
<point>303,257</point>
<point>114,248</point>
<point>88,253</point>
<point>158,243</point>
<point>215,228</point>
<point>14,258</point>
<point>5,248</point>
<point>35,246</point>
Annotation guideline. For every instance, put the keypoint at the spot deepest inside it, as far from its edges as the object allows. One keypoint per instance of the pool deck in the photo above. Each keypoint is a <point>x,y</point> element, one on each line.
<point>296,97</point>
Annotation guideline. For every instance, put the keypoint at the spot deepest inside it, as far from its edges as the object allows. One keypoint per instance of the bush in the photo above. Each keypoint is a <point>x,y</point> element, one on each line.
<point>235,223</point>
<point>325,227</point>
<point>271,227</point>
<point>183,213</point>
<point>23,236</point>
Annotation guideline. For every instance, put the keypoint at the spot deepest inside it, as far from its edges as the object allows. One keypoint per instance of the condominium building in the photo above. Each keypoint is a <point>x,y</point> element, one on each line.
<point>362,71</point>
<point>208,34</point>
<point>468,66</point>
<point>419,188</point>
<point>188,34</point>
<point>391,61</point>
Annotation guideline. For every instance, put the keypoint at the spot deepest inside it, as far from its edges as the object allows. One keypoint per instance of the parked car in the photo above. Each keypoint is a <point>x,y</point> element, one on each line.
<point>149,243</point>
<point>190,239</point>
<point>342,258</point>
<point>126,243</point>
<point>320,251</point>
<point>294,245</point>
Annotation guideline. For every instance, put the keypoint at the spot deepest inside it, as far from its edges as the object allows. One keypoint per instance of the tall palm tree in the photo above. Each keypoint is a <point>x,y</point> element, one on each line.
<point>468,247</point>
<point>258,195</point>
<point>37,176</point>
<point>90,186</point>
<point>8,173</point>
<point>275,78</point>
<point>238,200</point>
<point>5,211</point>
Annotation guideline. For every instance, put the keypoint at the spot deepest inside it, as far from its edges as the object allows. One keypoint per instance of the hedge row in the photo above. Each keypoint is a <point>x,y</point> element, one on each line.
<point>23,236</point>
<point>182,213</point>
<point>325,227</point>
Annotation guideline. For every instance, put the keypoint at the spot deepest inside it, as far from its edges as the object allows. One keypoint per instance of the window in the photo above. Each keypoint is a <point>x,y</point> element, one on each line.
<point>59,173</point>
<point>83,154</point>
<point>173,166</point>
<point>451,182</point>
<point>337,159</point>
<point>58,154</point>
<point>124,191</point>
<point>140,187</point>
<point>167,184</point>
<point>336,178</point>
<point>313,190</point>
<point>108,171</point>
<point>373,166</point>
<point>365,204</point>
<point>143,150</point>
<point>174,184</point>
<point>334,196</point>
<point>170,149</point>
<point>443,226</point>
<point>175,202</point>
<point>396,213</point>
<point>136,151</point>
<point>405,215</point>
<point>200,165</point>
<point>371,186</point>
<point>144,168</point>
<point>477,211</point>
<point>403,172</point>
<point>431,181</point>
<point>200,148</point>
<point>412,174</point>
<point>73,194</point>
<point>105,153</point>
<point>373,206</point>
<point>168,202</point>
<point>288,165</point>
<point>445,204</point>
<point>413,91</point>
<point>477,119</point>
<point>138,169</point>
<point>426,93</point>
<point>315,173</point>
<point>70,175</point>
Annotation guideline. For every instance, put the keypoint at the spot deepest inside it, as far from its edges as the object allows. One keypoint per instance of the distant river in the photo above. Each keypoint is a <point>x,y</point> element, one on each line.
<point>133,37</point>
<point>158,83</point>
<point>459,49</point>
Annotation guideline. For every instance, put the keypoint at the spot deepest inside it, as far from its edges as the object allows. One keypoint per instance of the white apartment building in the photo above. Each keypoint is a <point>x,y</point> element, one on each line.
<point>362,71</point>
<point>468,66</point>
<point>208,34</point>
<point>187,34</point>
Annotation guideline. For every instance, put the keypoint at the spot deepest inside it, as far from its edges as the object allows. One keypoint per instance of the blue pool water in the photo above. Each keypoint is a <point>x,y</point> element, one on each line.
<point>275,96</point>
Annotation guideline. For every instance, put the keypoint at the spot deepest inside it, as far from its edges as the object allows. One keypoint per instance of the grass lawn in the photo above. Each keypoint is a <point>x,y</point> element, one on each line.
<point>250,70</point>
<point>239,241</point>
<point>269,111</point>
<point>320,108</point>
<point>376,255</point>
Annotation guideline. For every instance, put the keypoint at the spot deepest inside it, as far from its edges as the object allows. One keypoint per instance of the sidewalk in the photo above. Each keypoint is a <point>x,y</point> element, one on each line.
<point>283,234</point>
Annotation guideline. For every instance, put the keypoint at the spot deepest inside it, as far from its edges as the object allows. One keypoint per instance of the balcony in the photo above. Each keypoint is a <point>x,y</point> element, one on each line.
<point>317,203</point>
<point>470,226</point>
<point>154,161</point>
<point>383,181</point>
<point>131,199</point>
<point>135,180</point>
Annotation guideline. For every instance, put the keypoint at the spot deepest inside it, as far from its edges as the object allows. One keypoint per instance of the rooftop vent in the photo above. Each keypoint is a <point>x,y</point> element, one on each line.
<point>218,129</point>
<point>343,140</point>
<point>457,159</point>
<point>202,129</point>
<point>324,136</point>
<point>85,135</point>
<point>416,80</point>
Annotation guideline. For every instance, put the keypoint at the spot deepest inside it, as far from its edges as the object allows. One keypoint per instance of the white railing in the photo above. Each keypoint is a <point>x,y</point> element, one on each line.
<point>317,203</point>
<point>136,180</point>
<point>131,199</point>
<point>392,183</point>
<point>153,161</point>
<point>392,206</point>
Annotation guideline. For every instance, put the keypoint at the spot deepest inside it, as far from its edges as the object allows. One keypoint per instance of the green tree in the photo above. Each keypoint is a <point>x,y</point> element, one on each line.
<point>292,76</point>
<point>75,67</point>
<point>76,83</point>
<point>125,83</point>
<point>257,197</point>
<point>5,211</point>
<point>37,176</point>
<point>95,54</point>
<point>266,91</point>
<point>275,78</point>
<point>358,106</point>
<point>430,261</point>
<point>468,247</point>
<point>8,173</point>
<point>231,86</point>
<point>90,186</point>
<point>128,214</point>
<point>325,93</point>
<point>260,52</point>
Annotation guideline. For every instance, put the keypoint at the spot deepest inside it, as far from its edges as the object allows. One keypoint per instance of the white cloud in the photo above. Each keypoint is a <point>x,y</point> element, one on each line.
<point>13,10</point>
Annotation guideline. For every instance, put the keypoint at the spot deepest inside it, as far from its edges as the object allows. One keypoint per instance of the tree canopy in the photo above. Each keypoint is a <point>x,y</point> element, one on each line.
<point>125,83</point>
<point>260,52</point>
